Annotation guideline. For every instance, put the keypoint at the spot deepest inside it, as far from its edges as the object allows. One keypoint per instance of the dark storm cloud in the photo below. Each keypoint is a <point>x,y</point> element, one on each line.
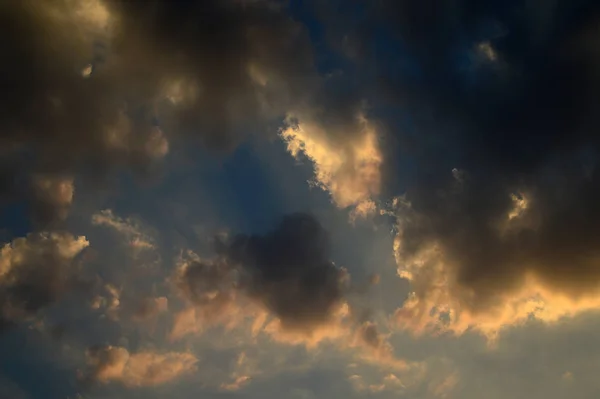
<point>506,93</point>
<point>51,113</point>
<point>248,60</point>
<point>90,87</point>
<point>288,271</point>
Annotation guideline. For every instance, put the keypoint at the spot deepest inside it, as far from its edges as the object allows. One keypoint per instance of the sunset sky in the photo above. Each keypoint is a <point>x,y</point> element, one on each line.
<point>304,199</point>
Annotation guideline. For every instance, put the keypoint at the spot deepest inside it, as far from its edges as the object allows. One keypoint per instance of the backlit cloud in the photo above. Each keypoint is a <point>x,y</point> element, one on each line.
<point>346,164</point>
<point>466,132</point>
<point>286,273</point>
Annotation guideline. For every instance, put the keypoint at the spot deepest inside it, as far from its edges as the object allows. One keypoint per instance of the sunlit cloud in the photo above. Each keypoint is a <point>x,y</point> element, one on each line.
<point>439,302</point>
<point>140,369</point>
<point>345,165</point>
<point>36,271</point>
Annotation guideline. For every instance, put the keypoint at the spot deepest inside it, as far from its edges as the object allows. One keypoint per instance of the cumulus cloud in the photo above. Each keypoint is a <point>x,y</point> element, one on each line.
<point>36,271</point>
<point>529,257</point>
<point>346,158</point>
<point>494,258</point>
<point>94,86</point>
<point>495,109</point>
<point>289,271</point>
<point>140,369</point>
<point>286,273</point>
<point>97,86</point>
<point>210,289</point>
<point>284,285</point>
<point>512,231</point>
<point>50,110</point>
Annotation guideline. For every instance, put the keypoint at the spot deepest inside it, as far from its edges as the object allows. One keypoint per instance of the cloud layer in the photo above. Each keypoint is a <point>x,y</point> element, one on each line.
<point>465,133</point>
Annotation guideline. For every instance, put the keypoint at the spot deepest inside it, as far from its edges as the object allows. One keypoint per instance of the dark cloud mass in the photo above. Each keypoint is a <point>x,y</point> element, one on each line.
<point>287,271</point>
<point>505,93</point>
<point>91,87</point>
<point>235,56</point>
<point>290,271</point>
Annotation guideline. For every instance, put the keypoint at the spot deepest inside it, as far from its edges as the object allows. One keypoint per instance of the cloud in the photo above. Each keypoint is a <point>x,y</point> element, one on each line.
<point>101,86</point>
<point>514,230</point>
<point>517,280</point>
<point>286,273</point>
<point>131,281</point>
<point>346,158</point>
<point>211,295</point>
<point>97,87</point>
<point>289,271</point>
<point>388,383</point>
<point>49,103</point>
<point>49,195</point>
<point>540,360</point>
<point>9,389</point>
<point>374,348</point>
<point>138,239</point>
<point>149,308</point>
<point>494,110</point>
<point>36,271</point>
<point>53,196</point>
<point>94,87</point>
<point>499,270</point>
<point>281,286</point>
<point>141,369</point>
<point>237,384</point>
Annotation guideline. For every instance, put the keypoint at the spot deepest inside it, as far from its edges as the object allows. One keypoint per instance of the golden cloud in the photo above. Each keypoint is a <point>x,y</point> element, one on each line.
<point>36,271</point>
<point>141,369</point>
<point>440,302</point>
<point>346,165</point>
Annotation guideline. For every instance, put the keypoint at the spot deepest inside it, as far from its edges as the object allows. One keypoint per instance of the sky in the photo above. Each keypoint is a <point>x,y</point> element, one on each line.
<point>305,199</point>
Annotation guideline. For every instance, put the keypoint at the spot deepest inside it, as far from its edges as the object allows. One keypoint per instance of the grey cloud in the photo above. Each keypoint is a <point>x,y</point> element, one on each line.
<point>370,335</point>
<point>521,121</point>
<point>287,271</point>
<point>290,271</point>
<point>93,87</point>
<point>97,87</point>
